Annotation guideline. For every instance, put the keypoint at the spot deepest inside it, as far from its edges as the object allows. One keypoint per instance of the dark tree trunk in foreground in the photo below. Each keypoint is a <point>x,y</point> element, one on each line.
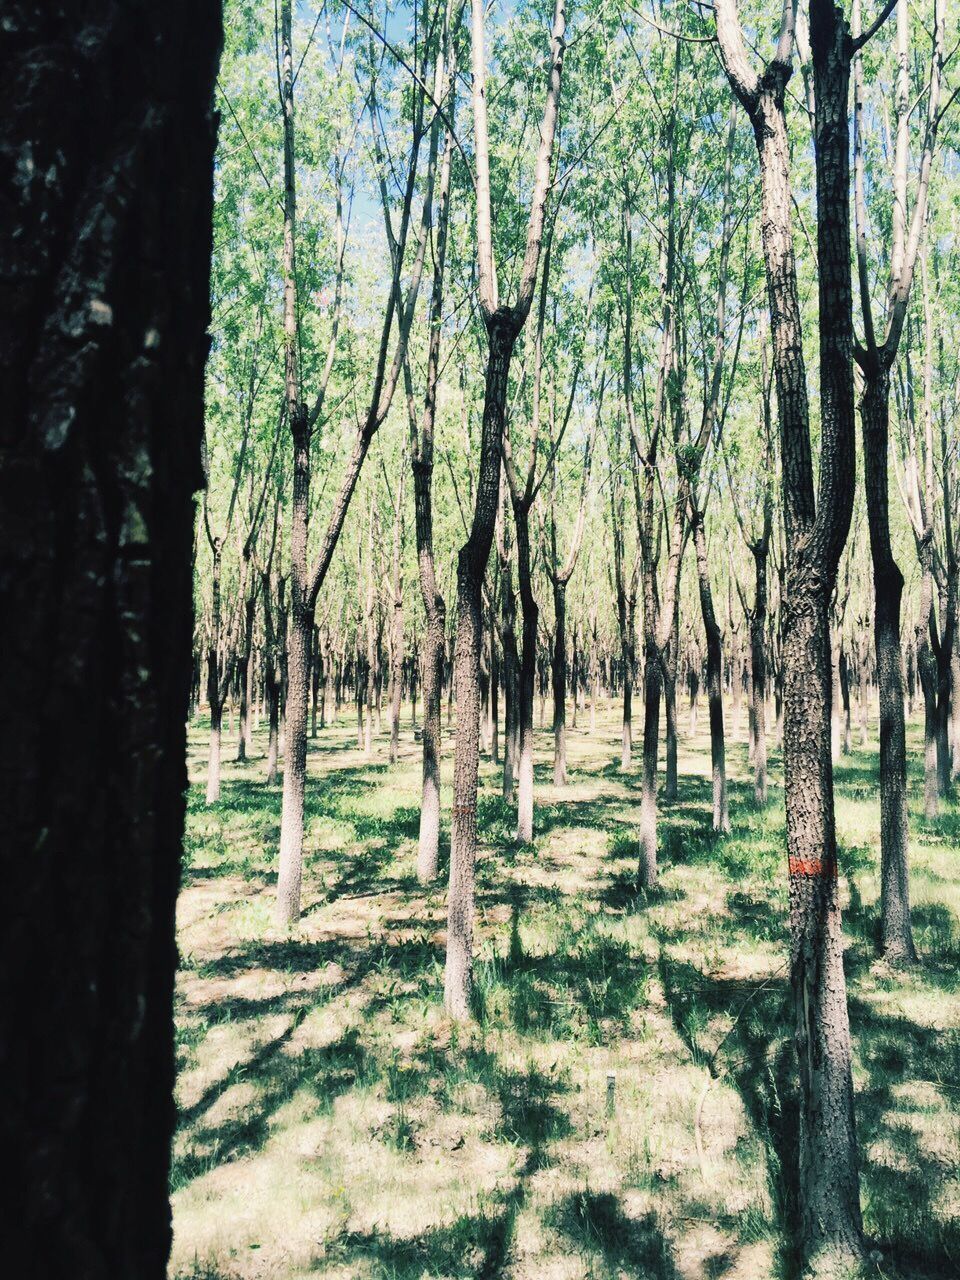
<point>105,246</point>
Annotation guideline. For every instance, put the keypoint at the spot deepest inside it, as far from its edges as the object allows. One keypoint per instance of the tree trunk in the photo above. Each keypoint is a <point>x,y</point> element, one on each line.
<point>107,134</point>
<point>758,626</point>
<point>843,670</point>
<point>670,705</point>
<point>927,668</point>
<point>629,665</point>
<point>945,653</point>
<point>213,760</point>
<point>316,669</point>
<point>273,738</point>
<point>494,703</point>
<point>528,676</point>
<point>471,566</point>
<point>299,640</point>
<point>652,686</point>
<point>560,685</point>
<point>511,665</point>
<point>434,648</point>
<point>831,1234</point>
<point>245,676</point>
<point>721,812</point>
<point>595,674</point>
<point>736,683</point>
<point>396,677</point>
<point>897,940</point>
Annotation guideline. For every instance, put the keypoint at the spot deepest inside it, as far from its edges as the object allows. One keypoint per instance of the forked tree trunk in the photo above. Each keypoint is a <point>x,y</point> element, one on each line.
<point>831,1233</point>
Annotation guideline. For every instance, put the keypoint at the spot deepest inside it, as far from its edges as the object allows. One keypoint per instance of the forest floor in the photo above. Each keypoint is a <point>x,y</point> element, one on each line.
<point>334,1124</point>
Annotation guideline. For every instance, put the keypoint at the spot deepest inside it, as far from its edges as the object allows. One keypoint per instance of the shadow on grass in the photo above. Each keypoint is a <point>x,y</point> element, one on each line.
<point>595,1223</point>
<point>757,1056</point>
<point>321,1074</point>
<point>912,1073</point>
<point>471,1247</point>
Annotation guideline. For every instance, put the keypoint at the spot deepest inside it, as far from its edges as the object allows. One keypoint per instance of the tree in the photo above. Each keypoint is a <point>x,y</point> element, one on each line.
<point>503,325</point>
<point>876,359</point>
<point>106,247</point>
<point>815,531</point>
<point>307,579</point>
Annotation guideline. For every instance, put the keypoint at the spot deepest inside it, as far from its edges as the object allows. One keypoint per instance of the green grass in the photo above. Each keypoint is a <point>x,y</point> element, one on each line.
<point>335,1124</point>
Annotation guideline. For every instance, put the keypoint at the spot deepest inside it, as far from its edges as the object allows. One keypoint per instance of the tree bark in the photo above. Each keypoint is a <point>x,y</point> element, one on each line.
<point>721,812</point>
<point>758,626</point>
<point>896,934</point>
<point>471,566</point>
<point>245,676</point>
<point>560,685</point>
<point>670,704</point>
<point>831,1234</point>
<point>527,674</point>
<point>107,135</point>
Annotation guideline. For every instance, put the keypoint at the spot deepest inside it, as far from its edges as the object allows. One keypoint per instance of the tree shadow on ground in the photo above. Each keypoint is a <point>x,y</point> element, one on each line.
<point>323,1073</point>
<point>595,1223</point>
<point>739,1028</point>
<point>906,1163</point>
<point>587,987</point>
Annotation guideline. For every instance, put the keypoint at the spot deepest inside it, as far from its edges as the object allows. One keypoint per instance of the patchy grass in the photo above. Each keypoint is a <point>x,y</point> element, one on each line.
<point>623,1104</point>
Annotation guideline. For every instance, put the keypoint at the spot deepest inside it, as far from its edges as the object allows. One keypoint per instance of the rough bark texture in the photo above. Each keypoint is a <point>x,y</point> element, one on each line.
<point>299,643</point>
<point>831,1226</point>
<point>471,566</point>
<point>106,146</point>
<point>815,531</point>
<point>896,935</point>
